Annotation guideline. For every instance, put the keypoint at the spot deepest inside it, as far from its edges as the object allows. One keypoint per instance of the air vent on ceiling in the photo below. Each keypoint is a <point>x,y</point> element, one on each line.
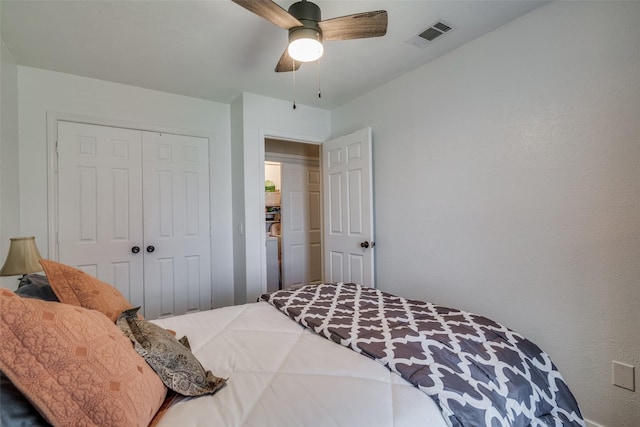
<point>429,35</point>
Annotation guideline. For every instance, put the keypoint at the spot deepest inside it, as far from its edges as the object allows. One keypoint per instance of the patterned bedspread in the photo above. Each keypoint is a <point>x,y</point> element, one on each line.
<point>479,372</point>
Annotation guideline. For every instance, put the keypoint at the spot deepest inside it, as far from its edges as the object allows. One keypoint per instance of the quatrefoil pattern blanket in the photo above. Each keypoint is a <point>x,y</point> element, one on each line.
<point>479,372</point>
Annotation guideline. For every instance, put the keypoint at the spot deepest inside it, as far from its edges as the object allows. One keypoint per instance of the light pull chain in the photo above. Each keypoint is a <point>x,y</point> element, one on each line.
<point>294,83</point>
<point>319,92</point>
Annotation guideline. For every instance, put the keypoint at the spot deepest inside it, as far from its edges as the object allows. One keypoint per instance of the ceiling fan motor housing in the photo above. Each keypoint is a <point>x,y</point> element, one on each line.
<point>309,15</point>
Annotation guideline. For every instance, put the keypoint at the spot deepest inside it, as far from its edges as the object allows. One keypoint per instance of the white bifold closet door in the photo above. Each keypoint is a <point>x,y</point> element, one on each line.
<point>133,211</point>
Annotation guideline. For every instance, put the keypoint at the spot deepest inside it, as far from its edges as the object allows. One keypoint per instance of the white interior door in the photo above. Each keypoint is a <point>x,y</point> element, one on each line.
<point>302,225</point>
<point>177,249</point>
<point>99,204</point>
<point>133,211</point>
<point>348,209</point>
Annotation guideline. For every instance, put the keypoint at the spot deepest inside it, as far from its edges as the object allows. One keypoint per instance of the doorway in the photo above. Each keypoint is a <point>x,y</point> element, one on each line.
<point>293,213</point>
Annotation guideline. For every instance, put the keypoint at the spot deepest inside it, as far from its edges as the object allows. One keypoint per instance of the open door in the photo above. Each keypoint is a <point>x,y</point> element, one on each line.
<point>348,209</point>
<point>301,225</point>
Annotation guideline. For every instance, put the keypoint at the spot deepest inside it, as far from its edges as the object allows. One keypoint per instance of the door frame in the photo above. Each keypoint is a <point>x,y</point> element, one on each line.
<point>216,221</point>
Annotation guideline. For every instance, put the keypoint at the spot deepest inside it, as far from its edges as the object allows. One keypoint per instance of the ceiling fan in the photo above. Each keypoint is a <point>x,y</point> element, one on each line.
<point>307,30</point>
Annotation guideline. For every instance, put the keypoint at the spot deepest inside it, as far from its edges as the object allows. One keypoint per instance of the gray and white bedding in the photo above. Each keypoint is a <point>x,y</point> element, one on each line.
<point>479,372</point>
<point>426,365</point>
<point>280,374</point>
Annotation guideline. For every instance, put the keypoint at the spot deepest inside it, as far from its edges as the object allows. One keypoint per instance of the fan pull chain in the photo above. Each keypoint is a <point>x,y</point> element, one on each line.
<point>319,92</point>
<point>294,84</point>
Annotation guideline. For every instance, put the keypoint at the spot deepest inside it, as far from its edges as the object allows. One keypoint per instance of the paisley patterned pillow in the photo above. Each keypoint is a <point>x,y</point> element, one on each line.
<point>171,359</point>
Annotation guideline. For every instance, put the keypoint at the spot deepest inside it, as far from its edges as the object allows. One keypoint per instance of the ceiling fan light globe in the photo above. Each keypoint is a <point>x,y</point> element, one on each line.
<point>305,49</point>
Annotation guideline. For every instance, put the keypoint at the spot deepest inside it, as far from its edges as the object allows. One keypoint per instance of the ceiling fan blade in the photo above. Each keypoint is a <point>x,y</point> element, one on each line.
<point>358,26</point>
<point>286,63</point>
<point>270,11</point>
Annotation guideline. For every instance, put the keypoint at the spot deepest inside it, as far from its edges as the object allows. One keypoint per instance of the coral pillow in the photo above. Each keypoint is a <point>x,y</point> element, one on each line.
<point>76,287</point>
<point>74,365</point>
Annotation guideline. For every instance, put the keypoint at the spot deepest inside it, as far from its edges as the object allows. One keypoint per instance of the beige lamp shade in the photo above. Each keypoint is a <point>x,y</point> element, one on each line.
<point>23,257</point>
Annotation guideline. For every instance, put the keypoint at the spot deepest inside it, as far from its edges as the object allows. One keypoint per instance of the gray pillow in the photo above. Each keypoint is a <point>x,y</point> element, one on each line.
<point>171,359</point>
<point>15,409</point>
<point>36,286</point>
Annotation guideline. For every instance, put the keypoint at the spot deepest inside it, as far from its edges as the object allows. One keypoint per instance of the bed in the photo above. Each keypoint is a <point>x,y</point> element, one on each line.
<point>281,374</point>
<point>334,355</point>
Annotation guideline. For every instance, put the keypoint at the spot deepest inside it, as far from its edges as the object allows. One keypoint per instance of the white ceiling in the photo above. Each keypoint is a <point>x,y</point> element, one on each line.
<point>216,50</point>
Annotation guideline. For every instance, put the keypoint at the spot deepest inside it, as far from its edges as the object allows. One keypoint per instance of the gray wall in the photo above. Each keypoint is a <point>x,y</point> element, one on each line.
<point>9,177</point>
<point>507,183</point>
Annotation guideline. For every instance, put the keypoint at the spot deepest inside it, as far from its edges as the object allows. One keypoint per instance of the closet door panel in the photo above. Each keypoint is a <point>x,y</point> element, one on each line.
<point>99,204</point>
<point>176,226</point>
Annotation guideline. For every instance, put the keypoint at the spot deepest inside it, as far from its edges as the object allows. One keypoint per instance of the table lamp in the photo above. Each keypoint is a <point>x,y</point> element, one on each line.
<point>22,258</point>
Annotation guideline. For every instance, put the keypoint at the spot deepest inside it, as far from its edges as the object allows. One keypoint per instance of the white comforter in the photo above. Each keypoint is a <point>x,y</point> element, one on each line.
<point>281,375</point>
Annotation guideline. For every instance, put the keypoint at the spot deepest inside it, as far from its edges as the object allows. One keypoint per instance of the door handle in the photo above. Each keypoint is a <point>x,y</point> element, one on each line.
<point>366,244</point>
<point>135,249</point>
<point>150,249</point>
